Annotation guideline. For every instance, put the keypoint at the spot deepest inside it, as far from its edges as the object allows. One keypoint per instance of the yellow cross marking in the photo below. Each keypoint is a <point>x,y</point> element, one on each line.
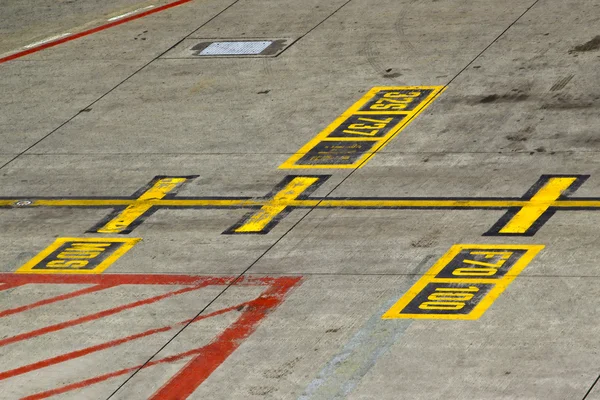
<point>141,205</point>
<point>276,205</point>
<point>537,205</point>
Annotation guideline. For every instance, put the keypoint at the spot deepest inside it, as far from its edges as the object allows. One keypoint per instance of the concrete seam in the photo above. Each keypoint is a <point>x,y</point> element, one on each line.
<point>591,387</point>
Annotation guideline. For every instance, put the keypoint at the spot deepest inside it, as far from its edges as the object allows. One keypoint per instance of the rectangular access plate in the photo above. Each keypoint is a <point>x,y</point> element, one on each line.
<point>242,47</point>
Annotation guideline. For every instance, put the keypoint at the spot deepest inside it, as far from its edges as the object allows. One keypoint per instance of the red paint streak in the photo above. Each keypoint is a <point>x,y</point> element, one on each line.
<point>6,286</point>
<point>181,385</point>
<point>122,279</point>
<point>79,385</point>
<point>53,300</point>
<point>92,349</point>
<point>102,378</point>
<point>208,357</point>
<point>91,31</point>
<point>91,317</point>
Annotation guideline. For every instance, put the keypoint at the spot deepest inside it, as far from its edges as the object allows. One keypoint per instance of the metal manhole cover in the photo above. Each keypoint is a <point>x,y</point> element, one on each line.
<point>234,48</point>
<point>197,48</point>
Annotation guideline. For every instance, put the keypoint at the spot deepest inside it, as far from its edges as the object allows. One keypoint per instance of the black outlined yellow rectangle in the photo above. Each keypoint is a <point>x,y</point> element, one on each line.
<point>465,282</point>
<point>364,128</point>
<point>78,256</point>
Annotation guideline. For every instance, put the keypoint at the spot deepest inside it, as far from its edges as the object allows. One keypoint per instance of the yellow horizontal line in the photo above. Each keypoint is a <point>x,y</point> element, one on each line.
<point>576,203</point>
<point>325,203</point>
<point>422,203</point>
<point>81,203</point>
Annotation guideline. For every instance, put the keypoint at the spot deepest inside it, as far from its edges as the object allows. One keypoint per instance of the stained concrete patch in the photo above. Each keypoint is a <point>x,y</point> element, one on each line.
<point>591,45</point>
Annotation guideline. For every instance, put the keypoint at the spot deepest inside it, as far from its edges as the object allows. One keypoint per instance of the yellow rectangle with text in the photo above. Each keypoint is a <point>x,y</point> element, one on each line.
<point>465,282</point>
<point>78,256</point>
<point>364,128</point>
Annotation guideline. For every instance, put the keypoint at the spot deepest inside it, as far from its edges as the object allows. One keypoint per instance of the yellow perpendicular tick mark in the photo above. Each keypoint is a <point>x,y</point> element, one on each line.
<point>281,200</point>
<point>159,190</point>
<point>537,205</point>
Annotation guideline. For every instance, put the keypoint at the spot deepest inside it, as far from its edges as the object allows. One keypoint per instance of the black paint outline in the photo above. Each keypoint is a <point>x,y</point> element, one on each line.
<point>139,220</point>
<point>275,220</point>
<point>541,182</point>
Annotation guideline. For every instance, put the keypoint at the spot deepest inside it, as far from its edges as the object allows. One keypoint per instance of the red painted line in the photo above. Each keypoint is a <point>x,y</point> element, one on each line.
<point>102,378</point>
<point>78,385</point>
<point>103,346</point>
<point>92,317</point>
<point>53,300</point>
<point>13,285</point>
<point>208,357</point>
<point>91,31</point>
<point>183,384</point>
<point>121,279</point>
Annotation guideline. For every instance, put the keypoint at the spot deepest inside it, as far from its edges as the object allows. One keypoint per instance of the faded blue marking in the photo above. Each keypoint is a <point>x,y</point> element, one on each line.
<point>343,372</point>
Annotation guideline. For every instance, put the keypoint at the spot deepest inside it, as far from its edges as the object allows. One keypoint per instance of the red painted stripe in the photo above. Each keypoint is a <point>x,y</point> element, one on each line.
<point>243,326</point>
<point>121,279</point>
<point>53,300</point>
<point>183,384</point>
<point>79,385</point>
<point>91,317</point>
<point>103,346</point>
<point>6,286</point>
<point>102,378</point>
<point>91,31</point>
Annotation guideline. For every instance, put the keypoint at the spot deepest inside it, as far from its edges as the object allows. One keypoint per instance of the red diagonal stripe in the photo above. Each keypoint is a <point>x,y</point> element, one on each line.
<point>92,349</point>
<point>213,354</point>
<point>91,317</point>
<point>182,384</point>
<point>54,299</point>
<point>7,285</point>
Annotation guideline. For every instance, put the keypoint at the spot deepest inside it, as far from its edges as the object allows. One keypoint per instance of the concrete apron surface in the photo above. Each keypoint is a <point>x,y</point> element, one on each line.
<point>397,200</point>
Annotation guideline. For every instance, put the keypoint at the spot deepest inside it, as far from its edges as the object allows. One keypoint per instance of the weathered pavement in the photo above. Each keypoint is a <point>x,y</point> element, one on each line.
<point>395,200</point>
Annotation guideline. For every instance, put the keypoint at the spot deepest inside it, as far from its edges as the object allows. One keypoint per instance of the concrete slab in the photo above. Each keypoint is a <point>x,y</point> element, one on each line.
<point>291,305</point>
<point>41,96</point>
<point>513,98</point>
<point>186,88</point>
<point>34,107</point>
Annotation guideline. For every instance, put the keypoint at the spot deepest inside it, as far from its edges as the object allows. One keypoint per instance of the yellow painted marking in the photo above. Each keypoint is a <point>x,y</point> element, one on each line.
<point>307,203</point>
<point>273,207</point>
<point>141,205</point>
<point>68,263</point>
<point>537,205</point>
<point>354,110</point>
<point>422,203</point>
<point>500,284</point>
